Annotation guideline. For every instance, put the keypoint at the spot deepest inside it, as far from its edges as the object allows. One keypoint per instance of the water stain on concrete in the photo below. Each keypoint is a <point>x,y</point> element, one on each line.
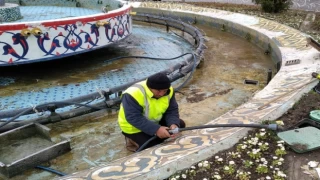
<point>218,86</point>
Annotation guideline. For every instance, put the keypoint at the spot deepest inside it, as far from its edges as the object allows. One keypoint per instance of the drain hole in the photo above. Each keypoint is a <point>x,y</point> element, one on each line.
<point>252,82</point>
<point>292,62</point>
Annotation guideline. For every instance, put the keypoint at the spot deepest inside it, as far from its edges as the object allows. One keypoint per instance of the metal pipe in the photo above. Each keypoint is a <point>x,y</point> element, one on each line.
<point>273,127</point>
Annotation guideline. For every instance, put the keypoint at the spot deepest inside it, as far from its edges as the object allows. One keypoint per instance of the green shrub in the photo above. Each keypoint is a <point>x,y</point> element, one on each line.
<point>274,6</point>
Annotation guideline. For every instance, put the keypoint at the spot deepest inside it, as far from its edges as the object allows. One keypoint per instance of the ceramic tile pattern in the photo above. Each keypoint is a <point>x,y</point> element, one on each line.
<point>27,99</point>
<point>53,32</point>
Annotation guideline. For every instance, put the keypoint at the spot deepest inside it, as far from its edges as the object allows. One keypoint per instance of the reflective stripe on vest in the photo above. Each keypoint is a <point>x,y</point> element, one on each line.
<point>153,108</point>
<point>146,103</point>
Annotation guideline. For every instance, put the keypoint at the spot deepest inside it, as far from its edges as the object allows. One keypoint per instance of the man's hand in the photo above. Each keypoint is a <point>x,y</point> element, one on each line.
<point>173,126</point>
<point>163,132</point>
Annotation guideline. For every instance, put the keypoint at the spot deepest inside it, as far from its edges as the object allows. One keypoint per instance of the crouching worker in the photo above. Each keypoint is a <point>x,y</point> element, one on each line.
<point>148,108</point>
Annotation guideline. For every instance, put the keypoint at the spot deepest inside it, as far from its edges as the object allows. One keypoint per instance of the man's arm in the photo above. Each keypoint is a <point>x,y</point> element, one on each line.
<point>172,114</point>
<point>134,115</point>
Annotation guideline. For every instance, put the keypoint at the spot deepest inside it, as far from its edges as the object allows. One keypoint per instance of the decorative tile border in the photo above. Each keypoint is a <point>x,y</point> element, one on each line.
<point>46,40</point>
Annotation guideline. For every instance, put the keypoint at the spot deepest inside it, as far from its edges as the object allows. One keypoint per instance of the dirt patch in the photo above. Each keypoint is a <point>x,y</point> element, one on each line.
<point>295,161</point>
<point>301,110</point>
<point>299,147</point>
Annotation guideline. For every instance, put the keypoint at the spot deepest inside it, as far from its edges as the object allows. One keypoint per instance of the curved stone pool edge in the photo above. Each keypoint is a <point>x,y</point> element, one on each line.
<point>287,86</point>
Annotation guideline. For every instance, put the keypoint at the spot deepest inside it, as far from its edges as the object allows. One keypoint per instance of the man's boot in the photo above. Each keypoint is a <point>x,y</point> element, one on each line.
<point>131,145</point>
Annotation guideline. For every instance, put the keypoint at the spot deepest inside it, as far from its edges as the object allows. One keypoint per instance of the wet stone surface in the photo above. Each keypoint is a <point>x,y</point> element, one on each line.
<point>214,89</point>
<point>19,149</point>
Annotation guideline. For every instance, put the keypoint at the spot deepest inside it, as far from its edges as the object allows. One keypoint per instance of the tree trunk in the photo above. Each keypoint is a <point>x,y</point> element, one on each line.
<point>2,2</point>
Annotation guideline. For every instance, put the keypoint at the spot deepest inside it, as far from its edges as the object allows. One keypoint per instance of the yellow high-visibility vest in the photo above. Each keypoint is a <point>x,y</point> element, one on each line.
<point>153,109</point>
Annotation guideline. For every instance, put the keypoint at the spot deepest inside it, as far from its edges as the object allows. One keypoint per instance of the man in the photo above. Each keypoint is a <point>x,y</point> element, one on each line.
<point>148,108</point>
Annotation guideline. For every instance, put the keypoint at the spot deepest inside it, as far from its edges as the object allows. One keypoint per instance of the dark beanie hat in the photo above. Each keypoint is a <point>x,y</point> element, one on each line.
<point>158,81</point>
